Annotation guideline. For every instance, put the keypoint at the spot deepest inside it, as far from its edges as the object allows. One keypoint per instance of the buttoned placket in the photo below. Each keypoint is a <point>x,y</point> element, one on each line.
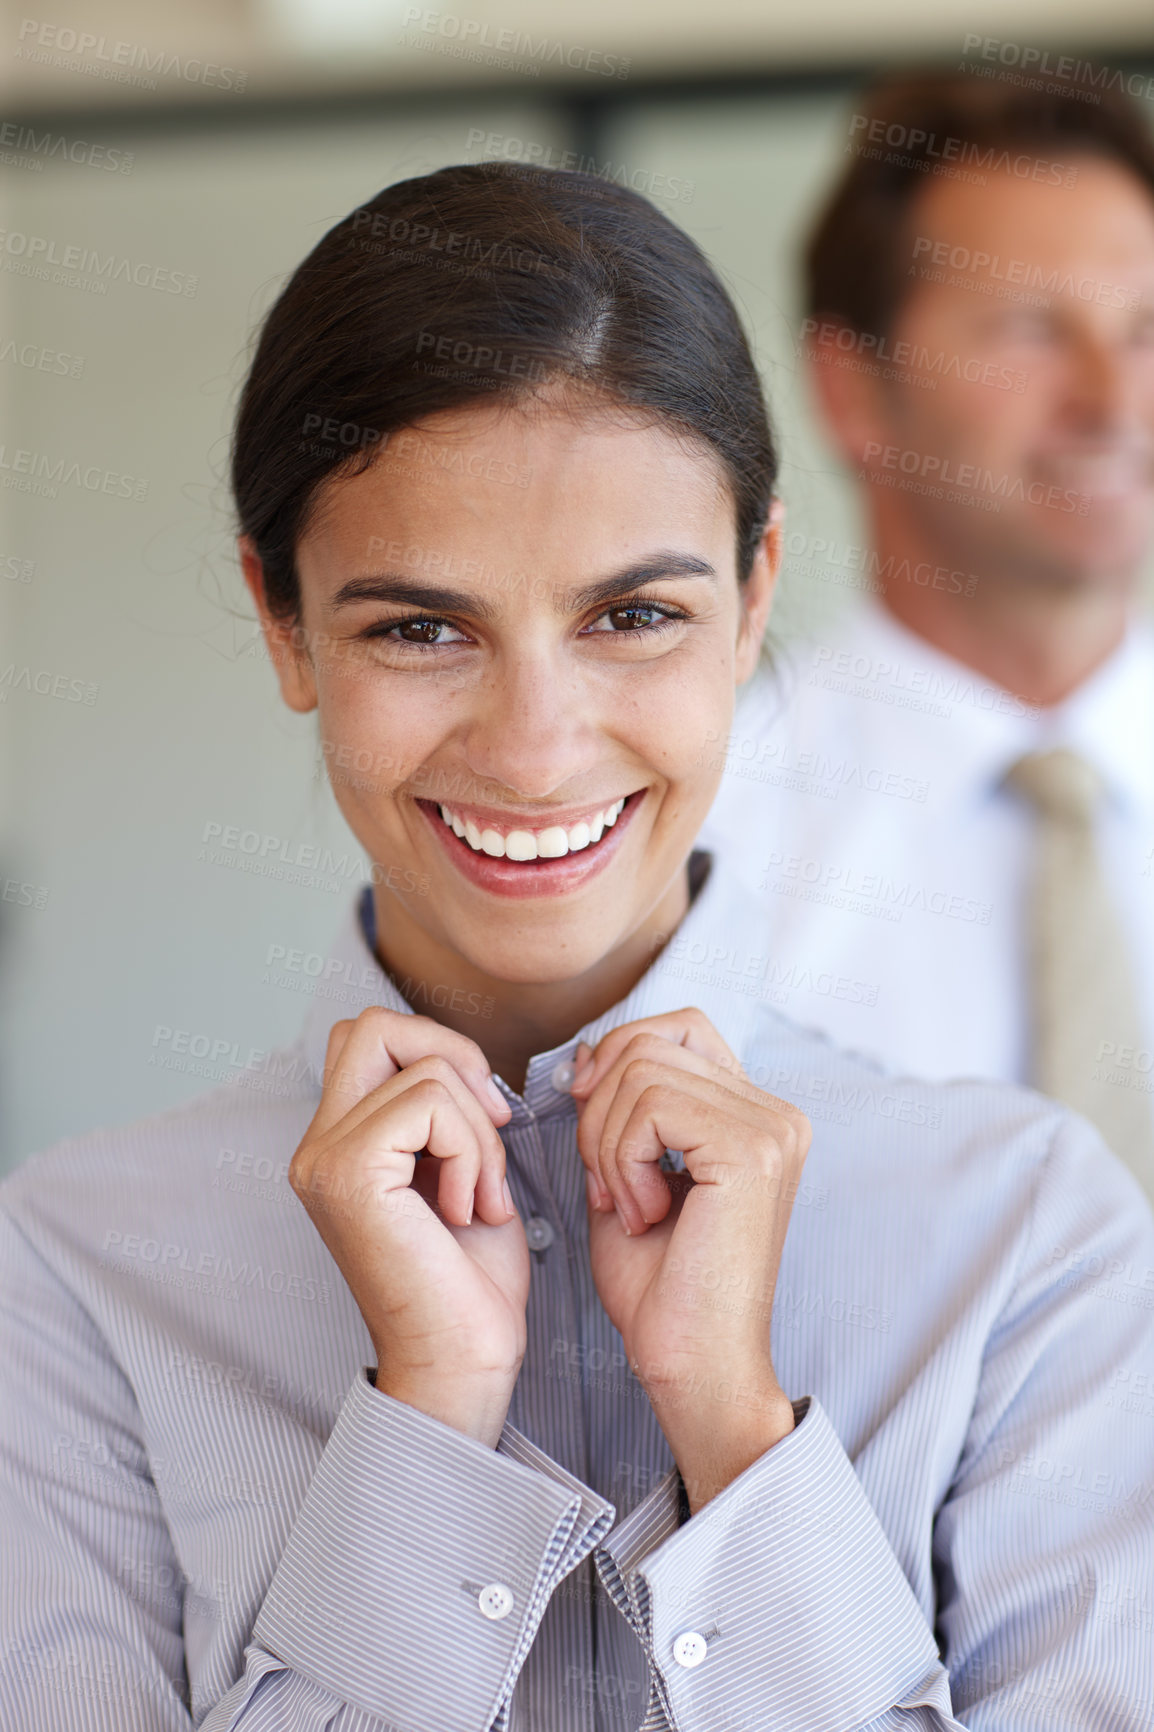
<point>572,1342</point>
<point>547,1404</point>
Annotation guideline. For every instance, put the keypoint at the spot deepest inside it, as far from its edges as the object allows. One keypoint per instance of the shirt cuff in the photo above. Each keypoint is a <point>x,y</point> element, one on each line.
<point>595,1516</point>
<point>420,1564</point>
<point>646,1528</point>
<point>782,1589</point>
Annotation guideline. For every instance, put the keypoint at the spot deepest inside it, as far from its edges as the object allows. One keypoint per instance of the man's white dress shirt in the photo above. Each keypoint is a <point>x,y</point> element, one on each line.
<point>862,806</point>
<point>210,1518</point>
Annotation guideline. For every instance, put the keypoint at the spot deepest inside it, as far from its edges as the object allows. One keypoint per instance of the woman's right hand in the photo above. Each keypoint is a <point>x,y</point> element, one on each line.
<point>432,1249</point>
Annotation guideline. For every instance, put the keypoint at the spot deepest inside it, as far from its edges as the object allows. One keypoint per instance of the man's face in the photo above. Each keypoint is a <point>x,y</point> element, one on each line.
<point>1026,394</point>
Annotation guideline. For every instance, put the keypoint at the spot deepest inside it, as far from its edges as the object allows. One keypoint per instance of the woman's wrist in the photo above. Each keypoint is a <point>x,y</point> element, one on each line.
<point>713,1443</point>
<point>474,1406</point>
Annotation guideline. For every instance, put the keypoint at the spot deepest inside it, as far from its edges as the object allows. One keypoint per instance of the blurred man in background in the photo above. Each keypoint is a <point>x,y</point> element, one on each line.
<point>947,804</point>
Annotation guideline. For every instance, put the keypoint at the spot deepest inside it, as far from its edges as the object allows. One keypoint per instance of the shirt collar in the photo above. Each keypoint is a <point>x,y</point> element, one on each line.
<point>1109,719</point>
<point>713,961</point>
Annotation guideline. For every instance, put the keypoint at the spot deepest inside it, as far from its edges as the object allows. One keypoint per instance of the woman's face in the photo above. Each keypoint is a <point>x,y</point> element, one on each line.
<point>527,622</point>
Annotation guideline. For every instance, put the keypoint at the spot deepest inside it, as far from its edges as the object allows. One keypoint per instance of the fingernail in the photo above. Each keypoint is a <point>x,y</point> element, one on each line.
<point>591,1188</point>
<point>495,1093</point>
<point>469,1213</point>
<point>508,1196</point>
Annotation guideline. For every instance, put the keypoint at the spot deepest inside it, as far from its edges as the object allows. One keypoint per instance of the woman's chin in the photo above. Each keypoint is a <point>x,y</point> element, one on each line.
<point>527,960</point>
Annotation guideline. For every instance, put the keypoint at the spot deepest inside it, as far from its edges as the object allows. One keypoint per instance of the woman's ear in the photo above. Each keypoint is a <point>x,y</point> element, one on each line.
<point>287,644</point>
<point>757,593</point>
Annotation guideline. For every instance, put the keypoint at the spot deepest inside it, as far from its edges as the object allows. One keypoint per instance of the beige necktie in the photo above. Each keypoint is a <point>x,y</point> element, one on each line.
<point>1087,1038</point>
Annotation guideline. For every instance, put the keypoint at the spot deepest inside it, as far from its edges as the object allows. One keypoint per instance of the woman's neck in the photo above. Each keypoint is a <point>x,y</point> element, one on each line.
<point>512,1020</point>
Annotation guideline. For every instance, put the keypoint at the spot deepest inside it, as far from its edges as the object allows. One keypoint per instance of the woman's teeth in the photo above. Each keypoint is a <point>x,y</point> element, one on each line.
<point>550,844</point>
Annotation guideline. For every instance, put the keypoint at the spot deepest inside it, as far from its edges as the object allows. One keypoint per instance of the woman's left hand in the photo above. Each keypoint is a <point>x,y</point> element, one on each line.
<point>686,1265</point>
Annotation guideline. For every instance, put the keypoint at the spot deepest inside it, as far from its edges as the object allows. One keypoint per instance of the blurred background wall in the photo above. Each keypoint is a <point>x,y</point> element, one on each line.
<point>163,167</point>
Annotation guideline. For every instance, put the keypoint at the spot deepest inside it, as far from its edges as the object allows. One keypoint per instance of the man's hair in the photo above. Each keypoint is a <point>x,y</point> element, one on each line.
<point>909,128</point>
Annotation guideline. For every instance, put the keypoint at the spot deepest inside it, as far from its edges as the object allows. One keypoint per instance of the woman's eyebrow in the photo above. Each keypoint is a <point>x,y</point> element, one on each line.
<point>405,592</point>
<point>436,598</point>
<point>660,565</point>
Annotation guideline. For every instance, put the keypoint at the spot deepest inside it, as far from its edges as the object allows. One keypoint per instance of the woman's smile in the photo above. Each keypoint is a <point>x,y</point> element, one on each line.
<point>514,855</point>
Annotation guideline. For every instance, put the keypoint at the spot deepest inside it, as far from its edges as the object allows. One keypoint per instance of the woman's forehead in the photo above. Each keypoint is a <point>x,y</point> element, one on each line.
<point>546,485</point>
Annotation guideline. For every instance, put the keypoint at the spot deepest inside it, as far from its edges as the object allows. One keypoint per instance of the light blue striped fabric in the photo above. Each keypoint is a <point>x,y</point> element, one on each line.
<point>211,1518</point>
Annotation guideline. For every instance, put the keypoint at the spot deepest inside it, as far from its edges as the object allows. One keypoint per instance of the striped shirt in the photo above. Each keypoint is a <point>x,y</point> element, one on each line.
<point>210,1517</point>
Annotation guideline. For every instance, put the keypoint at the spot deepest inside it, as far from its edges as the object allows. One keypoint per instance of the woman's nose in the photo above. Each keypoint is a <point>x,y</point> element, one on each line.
<point>536,729</point>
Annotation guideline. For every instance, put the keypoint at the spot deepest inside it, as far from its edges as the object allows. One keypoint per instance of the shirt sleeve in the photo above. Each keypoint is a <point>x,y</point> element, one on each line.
<point>420,1566</point>
<point>782,1589</point>
<point>783,1600</point>
<point>408,1594</point>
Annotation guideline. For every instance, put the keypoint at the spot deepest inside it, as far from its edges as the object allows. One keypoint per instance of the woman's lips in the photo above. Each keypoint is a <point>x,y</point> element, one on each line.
<point>513,878</point>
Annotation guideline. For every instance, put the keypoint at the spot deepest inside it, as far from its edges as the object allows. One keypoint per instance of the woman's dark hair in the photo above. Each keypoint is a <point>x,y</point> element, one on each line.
<point>910,127</point>
<point>445,290</point>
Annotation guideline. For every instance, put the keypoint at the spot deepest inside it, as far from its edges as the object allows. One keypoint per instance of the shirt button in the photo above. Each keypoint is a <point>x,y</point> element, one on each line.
<point>562,1076</point>
<point>689,1648</point>
<point>539,1233</point>
<point>496,1601</point>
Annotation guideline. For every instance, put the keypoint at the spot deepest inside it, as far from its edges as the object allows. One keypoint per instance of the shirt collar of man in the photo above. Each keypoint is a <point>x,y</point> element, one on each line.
<point>717,959</point>
<point>1109,720</point>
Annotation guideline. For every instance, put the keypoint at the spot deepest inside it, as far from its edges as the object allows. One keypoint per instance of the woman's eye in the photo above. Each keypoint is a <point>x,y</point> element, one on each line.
<point>633,618</point>
<point>419,631</point>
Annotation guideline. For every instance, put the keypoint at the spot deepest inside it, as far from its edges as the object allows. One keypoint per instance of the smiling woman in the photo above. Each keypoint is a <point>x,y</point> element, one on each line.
<point>496,1367</point>
<point>534,713</point>
<point>536,657</point>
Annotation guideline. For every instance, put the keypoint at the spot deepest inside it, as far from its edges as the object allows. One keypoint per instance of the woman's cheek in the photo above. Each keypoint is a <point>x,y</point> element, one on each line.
<point>374,740</point>
<point>682,712</point>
